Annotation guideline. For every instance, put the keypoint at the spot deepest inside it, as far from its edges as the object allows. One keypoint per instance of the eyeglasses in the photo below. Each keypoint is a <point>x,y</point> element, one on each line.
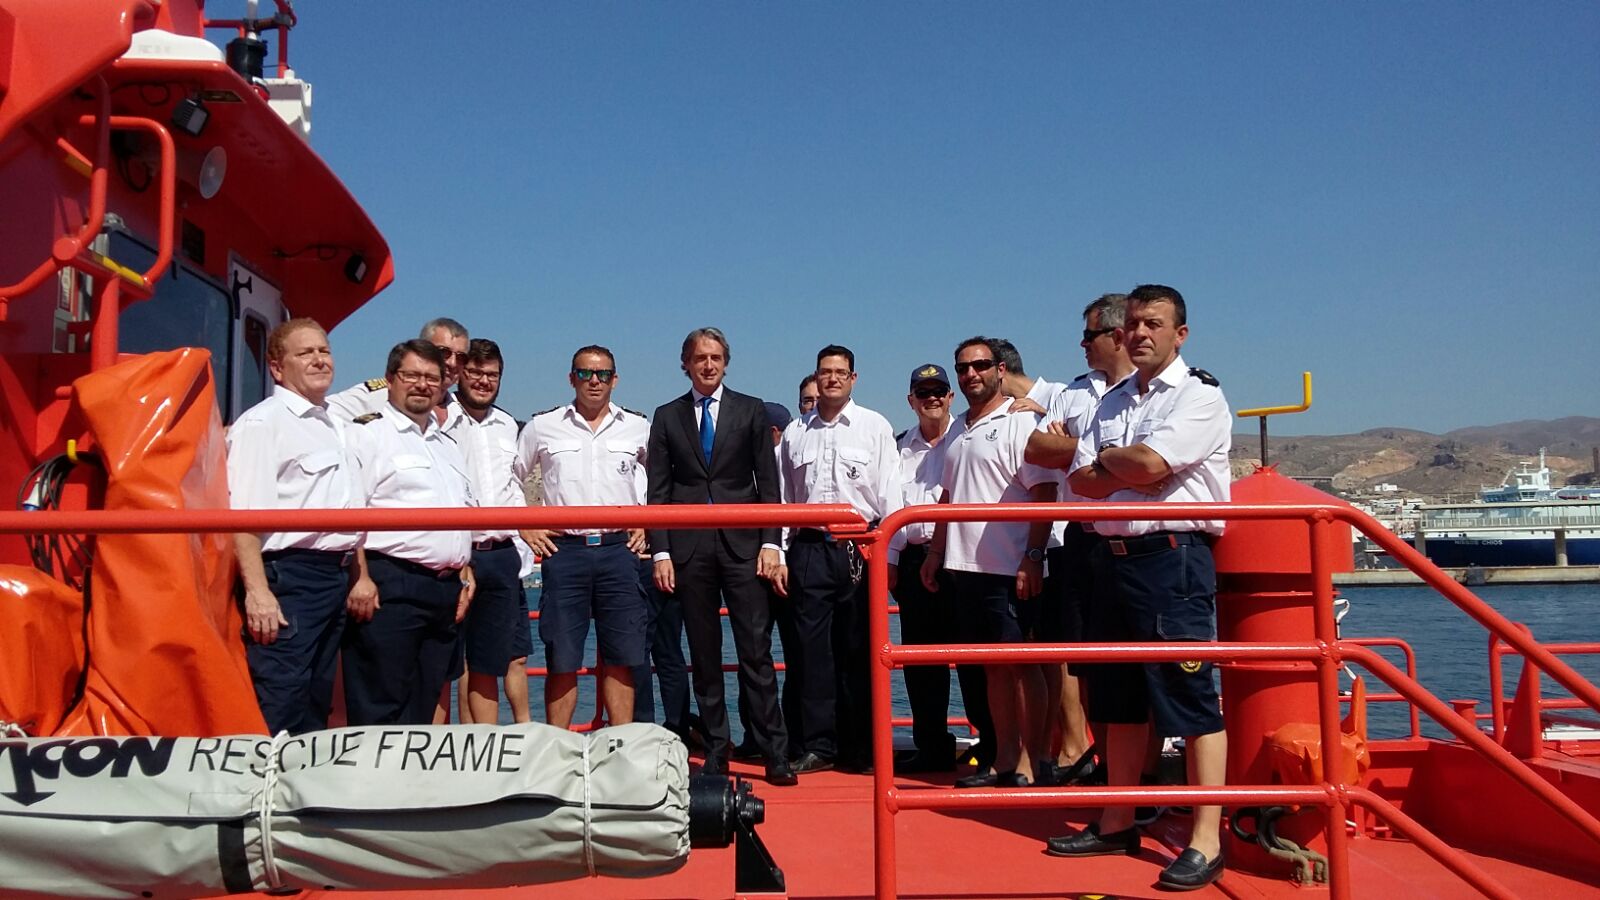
<point>930,393</point>
<point>1090,334</point>
<point>459,356</point>
<point>806,402</point>
<point>481,373</point>
<point>605,375</point>
<point>977,365</point>
<point>405,377</point>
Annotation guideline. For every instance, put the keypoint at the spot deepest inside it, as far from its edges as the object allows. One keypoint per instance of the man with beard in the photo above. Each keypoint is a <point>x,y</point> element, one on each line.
<point>1162,435</point>
<point>400,647</point>
<point>929,617</point>
<point>287,452</point>
<point>841,453</point>
<point>997,567</point>
<point>498,638</point>
<point>713,445</point>
<point>590,452</point>
<point>372,395</point>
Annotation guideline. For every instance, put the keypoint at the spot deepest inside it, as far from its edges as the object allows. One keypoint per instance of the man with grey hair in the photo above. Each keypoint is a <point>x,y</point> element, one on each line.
<point>713,445</point>
<point>372,395</point>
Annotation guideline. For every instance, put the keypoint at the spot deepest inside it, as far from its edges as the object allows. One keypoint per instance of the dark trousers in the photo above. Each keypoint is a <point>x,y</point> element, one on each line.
<point>704,581</point>
<point>293,676</point>
<point>665,627</point>
<point>930,618</point>
<point>396,664</point>
<point>789,696</point>
<point>830,666</point>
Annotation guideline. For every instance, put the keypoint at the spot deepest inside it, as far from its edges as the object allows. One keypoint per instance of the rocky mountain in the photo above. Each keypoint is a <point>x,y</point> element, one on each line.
<point>1451,465</point>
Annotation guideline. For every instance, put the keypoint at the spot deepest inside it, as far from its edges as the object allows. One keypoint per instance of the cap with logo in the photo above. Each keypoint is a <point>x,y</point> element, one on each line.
<point>929,372</point>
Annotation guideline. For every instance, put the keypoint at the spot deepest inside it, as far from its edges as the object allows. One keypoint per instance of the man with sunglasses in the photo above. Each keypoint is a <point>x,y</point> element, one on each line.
<point>498,639</point>
<point>842,453</point>
<point>591,453</point>
<point>997,567</point>
<point>929,617</point>
<point>401,645</point>
<point>370,396</point>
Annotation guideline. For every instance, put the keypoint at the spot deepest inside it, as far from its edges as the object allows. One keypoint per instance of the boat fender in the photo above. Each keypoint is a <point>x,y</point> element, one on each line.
<point>1205,377</point>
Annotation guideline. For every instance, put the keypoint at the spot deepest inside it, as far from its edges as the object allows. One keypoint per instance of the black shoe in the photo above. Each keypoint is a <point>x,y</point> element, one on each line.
<point>855,766</point>
<point>1011,779</point>
<point>1090,842</point>
<point>714,766</point>
<point>924,762</point>
<point>812,762</point>
<point>984,777</point>
<point>747,751</point>
<point>1190,871</point>
<point>781,774</point>
<point>1077,773</point>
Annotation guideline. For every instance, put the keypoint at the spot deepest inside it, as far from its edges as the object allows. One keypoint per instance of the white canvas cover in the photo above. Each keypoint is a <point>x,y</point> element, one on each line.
<point>372,808</point>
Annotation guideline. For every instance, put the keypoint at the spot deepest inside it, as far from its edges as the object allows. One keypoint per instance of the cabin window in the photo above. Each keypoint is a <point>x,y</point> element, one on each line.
<point>186,310</point>
<point>253,370</point>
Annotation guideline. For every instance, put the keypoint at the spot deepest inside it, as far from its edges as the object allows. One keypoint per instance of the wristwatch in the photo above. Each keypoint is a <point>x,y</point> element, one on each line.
<point>1036,554</point>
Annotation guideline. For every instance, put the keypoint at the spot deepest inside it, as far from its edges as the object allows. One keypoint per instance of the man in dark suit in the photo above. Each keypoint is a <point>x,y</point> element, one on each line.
<point>713,445</point>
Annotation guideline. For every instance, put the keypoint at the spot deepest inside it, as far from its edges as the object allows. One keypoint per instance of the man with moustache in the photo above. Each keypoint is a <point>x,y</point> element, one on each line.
<point>712,445</point>
<point>589,451</point>
<point>372,395</point>
<point>997,567</point>
<point>498,639</point>
<point>287,452</point>
<point>929,617</point>
<point>841,453</point>
<point>1162,435</point>
<point>401,648</point>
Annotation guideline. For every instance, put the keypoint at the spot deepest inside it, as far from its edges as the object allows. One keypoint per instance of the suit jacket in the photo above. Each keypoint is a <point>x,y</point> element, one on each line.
<point>742,470</point>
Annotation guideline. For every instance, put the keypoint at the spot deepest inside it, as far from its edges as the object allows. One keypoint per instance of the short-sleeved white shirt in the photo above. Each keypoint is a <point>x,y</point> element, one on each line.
<point>403,466</point>
<point>921,471</point>
<point>1183,419</point>
<point>583,467</point>
<point>490,448</point>
<point>851,459</point>
<point>289,453</point>
<point>1074,407</point>
<point>983,464</point>
<point>369,396</point>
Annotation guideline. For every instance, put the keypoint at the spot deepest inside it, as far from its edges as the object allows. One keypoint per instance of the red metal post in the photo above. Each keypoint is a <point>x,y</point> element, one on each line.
<point>1328,668</point>
<point>883,665</point>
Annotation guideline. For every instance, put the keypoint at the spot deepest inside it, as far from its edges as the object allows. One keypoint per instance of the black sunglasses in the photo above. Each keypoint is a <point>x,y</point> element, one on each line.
<point>979,365</point>
<point>929,393</point>
<point>605,375</point>
<point>1090,334</point>
<point>459,356</point>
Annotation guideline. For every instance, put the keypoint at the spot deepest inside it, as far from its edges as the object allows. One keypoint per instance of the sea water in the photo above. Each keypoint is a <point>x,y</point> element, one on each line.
<point>1451,648</point>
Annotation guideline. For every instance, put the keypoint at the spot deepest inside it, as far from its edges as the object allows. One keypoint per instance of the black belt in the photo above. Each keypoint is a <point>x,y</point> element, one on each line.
<point>493,544</point>
<point>415,568</point>
<point>591,540</point>
<point>809,536</point>
<point>339,558</point>
<point>1158,540</point>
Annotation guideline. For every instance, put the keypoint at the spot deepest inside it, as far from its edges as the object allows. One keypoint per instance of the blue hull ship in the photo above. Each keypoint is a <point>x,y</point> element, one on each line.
<point>1523,522</point>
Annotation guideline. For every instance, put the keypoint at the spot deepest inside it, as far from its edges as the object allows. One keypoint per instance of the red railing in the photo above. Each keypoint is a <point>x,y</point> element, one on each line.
<point>1325,651</point>
<point>1519,723</point>
<point>1411,673</point>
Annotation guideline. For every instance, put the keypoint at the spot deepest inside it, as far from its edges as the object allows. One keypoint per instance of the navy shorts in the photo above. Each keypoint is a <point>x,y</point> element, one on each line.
<point>492,624</point>
<point>1166,593</point>
<point>1066,588</point>
<point>988,611</point>
<point>592,582</point>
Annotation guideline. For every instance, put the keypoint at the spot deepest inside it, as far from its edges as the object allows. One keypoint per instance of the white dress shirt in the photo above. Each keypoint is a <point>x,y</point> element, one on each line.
<point>288,453</point>
<point>921,470</point>
<point>983,464</point>
<point>359,399</point>
<point>490,449</point>
<point>404,466</point>
<point>851,459</point>
<point>604,466</point>
<point>1074,407</point>
<point>1186,422</point>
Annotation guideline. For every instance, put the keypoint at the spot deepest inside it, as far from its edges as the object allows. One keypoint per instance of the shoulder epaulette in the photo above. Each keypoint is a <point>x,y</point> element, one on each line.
<point>1205,377</point>
<point>543,411</point>
<point>376,384</point>
<point>634,412</point>
<point>368,417</point>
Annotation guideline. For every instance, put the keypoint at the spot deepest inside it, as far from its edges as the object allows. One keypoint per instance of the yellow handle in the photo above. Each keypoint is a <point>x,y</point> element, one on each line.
<point>1304,405</point>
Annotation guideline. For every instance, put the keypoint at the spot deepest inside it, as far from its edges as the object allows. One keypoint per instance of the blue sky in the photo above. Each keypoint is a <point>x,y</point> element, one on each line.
<point>1402,198</point>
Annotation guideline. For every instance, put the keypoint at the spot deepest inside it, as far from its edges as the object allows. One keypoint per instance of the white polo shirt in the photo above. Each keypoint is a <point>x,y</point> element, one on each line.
<point>403,466</point>
<point>851,459</point>
<point>921,471</point>
<point>1184,420</point>
<point>288,453</point>
<point>583,467</point>
<point>983,464</point>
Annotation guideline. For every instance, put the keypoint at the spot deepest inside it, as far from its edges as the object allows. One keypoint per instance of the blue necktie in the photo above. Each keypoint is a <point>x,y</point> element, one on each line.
<point>708,429</point>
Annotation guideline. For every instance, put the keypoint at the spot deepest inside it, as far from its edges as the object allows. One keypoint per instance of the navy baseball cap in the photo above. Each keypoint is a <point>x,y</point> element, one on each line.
<point>777,415</point>
<point>929,372</point>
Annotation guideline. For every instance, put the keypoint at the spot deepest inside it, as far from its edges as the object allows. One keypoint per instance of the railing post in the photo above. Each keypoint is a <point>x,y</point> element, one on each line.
<point>882,673</point>
<point>1328,668</point>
